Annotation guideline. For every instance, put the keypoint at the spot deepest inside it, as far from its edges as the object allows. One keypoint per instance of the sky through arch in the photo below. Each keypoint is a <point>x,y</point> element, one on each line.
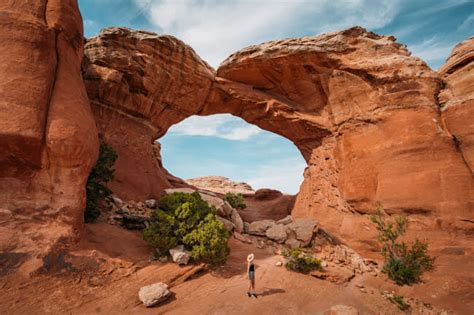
<point>225,145</point>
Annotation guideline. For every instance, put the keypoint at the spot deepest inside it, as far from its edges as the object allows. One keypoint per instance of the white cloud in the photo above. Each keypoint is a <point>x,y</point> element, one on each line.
<point>216,28</point>
<point>284,175</point>
<point>222,126</point>
<point>433,50</point>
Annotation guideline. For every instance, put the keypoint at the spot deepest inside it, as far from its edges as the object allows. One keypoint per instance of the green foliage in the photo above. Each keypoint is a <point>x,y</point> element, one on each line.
<point>400,302</point>
<point>404,265</point>
<point>187,219</point>
<point>208,242</point>
<point>235,200</point>
<point>300,261</point>
<point>100,175</point>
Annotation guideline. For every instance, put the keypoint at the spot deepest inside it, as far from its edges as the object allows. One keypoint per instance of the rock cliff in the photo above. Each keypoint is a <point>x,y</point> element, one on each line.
<point>48,137</point>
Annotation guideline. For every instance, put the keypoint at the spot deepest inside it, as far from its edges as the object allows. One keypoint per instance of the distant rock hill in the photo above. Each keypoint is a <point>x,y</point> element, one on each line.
<point>221,185</point>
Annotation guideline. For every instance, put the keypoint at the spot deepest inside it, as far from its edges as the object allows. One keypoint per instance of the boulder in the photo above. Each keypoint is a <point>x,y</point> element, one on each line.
<point>246,227</point>
<point>335,274</point>
<point>228,225</point>
<point>117,201</point>
<point>151,203</point>
<point>303,230</point>
<point>286,220</point>
<point>242,238</point>
<point>342,310</point>
<point>179,255</point>
<point>154,294</point>
<point>276,233</point>
<point>260,227</point>
<point>237,221</point>
<point>292,243</point>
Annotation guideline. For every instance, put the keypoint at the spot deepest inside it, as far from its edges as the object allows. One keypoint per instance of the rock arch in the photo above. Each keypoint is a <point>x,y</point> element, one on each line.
<point>363,112</point>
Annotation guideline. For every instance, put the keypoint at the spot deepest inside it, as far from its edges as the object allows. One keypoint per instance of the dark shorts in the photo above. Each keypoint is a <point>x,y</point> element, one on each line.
<point>251,275</point>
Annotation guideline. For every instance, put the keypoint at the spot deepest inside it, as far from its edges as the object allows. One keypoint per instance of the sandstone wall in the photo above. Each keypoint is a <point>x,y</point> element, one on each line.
<point>48,137</point>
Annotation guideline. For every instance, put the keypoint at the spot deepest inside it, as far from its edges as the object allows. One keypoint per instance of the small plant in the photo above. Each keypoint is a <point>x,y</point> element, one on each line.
<point>300,261</point>
<point>400,302</point>
<point>100,175</point>
<point>187,219</point>
<point>235,200</point>
<point>403,265</point>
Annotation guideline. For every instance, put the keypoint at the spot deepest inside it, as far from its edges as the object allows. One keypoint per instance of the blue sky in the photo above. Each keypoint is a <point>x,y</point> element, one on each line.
<point>225,145</point>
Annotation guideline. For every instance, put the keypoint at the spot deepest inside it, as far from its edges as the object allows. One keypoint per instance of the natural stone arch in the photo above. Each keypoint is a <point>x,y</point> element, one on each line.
<point>362,111</point>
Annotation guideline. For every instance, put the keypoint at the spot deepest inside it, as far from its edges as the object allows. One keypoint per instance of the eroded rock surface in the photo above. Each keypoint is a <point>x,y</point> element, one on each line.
<point>48,138</point>
<point>363,112</point>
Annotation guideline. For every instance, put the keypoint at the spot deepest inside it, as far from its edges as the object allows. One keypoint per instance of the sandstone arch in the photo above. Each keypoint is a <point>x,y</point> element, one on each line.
<point>363,112</point>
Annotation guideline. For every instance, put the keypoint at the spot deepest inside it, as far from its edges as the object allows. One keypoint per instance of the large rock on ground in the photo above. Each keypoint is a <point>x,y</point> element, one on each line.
<point>227,224</point>
<point>260,227</point>
<point>179,255</point>
<point>237,221</point>
<point>154,294</point>
<point>277,233</point>
<point>302,230</point>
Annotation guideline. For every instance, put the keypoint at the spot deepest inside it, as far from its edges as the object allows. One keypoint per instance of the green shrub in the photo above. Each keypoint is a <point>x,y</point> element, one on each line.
<point>206,241</point>
<point>100,175</point>
<point>187,219</point>
<point>403,265</point>
<point>400,302</point>
<point>300,261</point>
<point>235,200</point>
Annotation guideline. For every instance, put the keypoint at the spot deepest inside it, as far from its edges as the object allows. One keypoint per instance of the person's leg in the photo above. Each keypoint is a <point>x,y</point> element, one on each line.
<point>253,285</point>
<point>249,291</point>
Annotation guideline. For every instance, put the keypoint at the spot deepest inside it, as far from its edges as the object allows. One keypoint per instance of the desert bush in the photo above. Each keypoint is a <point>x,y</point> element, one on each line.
<point>235,200</point>
<point>400,302</point>
<point>187,219</point>
<point>100,175</point>
<point>300,261</point>
<point>403,264</point>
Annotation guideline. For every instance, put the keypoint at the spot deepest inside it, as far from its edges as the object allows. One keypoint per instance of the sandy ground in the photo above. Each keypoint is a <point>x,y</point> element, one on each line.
<point>103,274</point>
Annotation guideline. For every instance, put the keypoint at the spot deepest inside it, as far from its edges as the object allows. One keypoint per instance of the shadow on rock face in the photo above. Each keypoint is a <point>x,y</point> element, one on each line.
<point>9,261</point>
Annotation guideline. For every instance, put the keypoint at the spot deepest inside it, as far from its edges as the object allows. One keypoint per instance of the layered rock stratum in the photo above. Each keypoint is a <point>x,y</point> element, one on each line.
<point>374,124</point>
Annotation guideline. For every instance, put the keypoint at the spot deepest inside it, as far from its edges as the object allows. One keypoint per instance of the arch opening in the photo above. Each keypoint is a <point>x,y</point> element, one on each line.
<point>223,153</point>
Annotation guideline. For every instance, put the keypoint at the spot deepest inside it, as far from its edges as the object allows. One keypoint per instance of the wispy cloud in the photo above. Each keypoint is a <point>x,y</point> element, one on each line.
<point>467,24</point>
<point>216,28</point>
<point>285,175</point>
<point>433,50</point>
<point>221,126</point>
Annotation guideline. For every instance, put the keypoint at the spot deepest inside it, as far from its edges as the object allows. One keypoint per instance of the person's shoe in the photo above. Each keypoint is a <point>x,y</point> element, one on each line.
<point>248,293</point>
<point>254,295</point>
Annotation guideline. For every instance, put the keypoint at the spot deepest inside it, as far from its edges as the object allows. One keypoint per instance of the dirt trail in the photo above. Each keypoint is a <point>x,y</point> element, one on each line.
<point>106,270</point>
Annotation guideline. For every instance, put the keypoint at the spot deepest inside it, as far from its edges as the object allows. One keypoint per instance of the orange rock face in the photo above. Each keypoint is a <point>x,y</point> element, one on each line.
<point>457,99</point>
<point>362,111</point>
<point>48,137</point>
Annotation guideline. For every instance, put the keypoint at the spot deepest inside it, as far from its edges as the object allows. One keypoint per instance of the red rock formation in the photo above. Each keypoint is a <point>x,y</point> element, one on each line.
<point>457,99</point>
<point>48,137</point>
<point>362,111</point>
